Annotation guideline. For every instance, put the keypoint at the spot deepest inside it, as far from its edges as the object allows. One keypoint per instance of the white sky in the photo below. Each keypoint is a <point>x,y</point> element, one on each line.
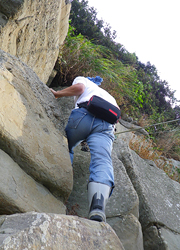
<point>148,28</point>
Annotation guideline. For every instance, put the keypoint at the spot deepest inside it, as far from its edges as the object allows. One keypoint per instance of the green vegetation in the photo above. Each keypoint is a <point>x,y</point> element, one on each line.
<point>90,49</point>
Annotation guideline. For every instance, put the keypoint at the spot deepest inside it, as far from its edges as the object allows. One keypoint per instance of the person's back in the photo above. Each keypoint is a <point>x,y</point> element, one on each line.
<point>91,89</point>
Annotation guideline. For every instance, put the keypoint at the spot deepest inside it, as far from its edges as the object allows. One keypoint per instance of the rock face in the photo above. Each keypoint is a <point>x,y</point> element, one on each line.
<point>21,193</point>
<point>57,232</point>
<point>36,174</point>
<point>144,210</point>
<point>33,31</point>
<point>27,133</point>
<point>159,198</point>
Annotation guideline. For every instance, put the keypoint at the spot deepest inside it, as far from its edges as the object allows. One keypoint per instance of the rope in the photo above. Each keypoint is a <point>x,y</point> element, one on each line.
<point>136,129</point>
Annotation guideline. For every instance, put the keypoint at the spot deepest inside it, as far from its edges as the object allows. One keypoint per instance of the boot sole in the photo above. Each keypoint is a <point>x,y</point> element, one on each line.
<point>97,215</point>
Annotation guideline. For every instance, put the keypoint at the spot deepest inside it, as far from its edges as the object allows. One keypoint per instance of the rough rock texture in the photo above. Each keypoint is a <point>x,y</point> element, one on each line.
<point>146,149</point>
<point>21,193</point>
<point>33,31</point>
<point>144,209</point>
<point>51,231</point>
<point>159,195</point>
<point>145,205</point>
<point>27,133</point>
<point>128,229</point>
<point>159,198</point>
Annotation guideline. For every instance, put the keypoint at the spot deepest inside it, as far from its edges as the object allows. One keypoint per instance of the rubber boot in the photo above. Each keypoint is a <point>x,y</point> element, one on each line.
<point>98,195</point>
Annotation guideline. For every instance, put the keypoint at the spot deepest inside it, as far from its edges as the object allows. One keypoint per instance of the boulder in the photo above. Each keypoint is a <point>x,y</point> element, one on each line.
<point>21,193</point>
<point>159,237</point>
<point>128,229</point>
<point>159,197</point>
<point>52,231</point>
<point>27,133</point>
<point>34,31</point>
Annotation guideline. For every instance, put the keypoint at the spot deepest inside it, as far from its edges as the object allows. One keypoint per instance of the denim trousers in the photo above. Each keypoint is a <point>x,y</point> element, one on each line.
<point>99,136</point>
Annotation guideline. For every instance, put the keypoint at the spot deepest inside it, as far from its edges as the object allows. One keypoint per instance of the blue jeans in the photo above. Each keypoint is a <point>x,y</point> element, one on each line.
<point>99,136</point>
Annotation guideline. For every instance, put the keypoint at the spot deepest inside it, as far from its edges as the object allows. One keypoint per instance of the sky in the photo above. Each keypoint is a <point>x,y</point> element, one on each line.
<point>150,29</point>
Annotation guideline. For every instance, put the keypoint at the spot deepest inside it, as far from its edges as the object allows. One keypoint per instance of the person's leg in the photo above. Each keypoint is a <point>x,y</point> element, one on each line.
<point>78,128</point>
<point>101,180</point>
<point>100,143</point>
<point>99,136</point>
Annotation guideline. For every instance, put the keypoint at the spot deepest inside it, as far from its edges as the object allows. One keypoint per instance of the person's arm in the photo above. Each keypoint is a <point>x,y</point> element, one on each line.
<point>74,90</point>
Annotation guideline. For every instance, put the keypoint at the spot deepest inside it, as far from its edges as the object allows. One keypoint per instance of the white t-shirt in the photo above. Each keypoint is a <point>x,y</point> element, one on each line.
<point>91,89</point>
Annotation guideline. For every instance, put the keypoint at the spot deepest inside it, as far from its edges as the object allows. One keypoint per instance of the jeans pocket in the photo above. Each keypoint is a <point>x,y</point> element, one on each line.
<point>75,118</point>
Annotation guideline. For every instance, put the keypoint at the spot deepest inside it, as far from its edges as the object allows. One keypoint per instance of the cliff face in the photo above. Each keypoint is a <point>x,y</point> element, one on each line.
<point>33,31</point>
<point>36,173</point>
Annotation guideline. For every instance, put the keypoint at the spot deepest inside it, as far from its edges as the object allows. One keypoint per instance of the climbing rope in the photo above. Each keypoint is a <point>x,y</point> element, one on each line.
<point>156,124</point>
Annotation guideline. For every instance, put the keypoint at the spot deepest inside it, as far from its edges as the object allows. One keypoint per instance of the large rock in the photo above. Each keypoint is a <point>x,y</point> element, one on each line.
<point>20,193</point>
<point>51,231</point>
<point>33,31</point>
<point>159,195</point>
<point>128,229</point>
<point>161,238</point>
<point>159,198</point>
<point>27,133</point>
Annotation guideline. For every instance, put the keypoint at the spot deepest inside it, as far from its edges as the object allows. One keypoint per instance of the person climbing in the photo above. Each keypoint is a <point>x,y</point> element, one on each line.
<point>99,135</point>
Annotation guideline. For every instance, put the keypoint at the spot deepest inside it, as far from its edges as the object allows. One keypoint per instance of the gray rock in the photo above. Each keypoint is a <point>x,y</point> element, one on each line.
<point>27,132</point>
<point>159,196</point>
<point>128,229</point>
<point>124,199</point>
<point>3,20</point>
<point>162,238</point>
<point>10,7</point>
<point>58,232</point>
<point>20,193</point>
